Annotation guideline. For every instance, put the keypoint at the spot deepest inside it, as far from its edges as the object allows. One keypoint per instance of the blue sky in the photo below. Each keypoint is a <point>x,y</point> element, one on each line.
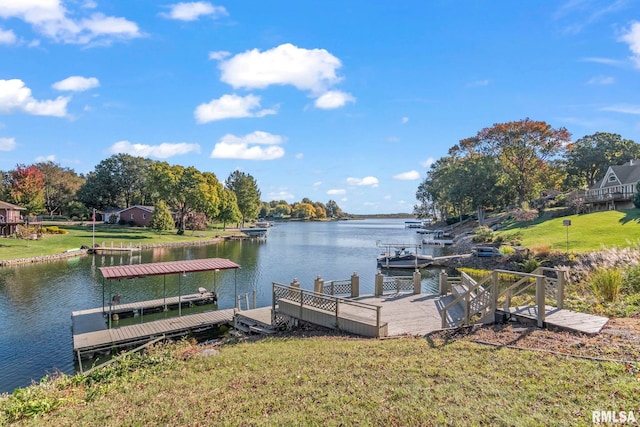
<point>344,100</point>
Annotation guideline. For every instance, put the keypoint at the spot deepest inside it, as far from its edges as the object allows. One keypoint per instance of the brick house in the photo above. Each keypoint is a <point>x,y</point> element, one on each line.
<point>10,218</point>
<point>138,215</point>
<point>616,189</point>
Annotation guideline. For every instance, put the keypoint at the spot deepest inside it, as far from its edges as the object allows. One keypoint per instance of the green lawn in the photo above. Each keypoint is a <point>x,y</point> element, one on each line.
<point>79,235</point>
<point>587,232</point>
<point>335,381</point>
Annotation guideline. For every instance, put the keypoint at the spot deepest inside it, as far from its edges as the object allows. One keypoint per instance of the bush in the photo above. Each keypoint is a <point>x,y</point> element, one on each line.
<point>606,283</point>
<point>541,250</point>
<point>525,215</point>
<point>530,265</point>
<point>483,234</point>
<point>121,221</point>
<point>507,250</point>
<point>131,223</point>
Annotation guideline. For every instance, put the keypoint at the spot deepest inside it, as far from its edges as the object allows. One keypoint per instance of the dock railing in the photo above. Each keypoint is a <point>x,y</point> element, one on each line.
<point>328,310</point>
<point>484,297</point>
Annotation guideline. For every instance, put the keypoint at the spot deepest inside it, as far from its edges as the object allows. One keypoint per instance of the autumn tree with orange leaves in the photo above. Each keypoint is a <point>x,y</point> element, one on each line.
<point>523,149</point>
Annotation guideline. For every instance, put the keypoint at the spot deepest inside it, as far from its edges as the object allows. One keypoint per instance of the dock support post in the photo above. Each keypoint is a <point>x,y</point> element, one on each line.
<point>379,284</point>
<point>443,283</point>
<point>255,299</point>
<point>540,301</point>
<point>417,282</point>
<point>355,285</point>
<point>560,290</point>
<point>318,285</point>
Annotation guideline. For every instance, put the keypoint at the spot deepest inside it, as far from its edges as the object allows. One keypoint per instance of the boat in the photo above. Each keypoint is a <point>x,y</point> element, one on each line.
<point>400,255</point>
<point>413,224</point>
<point>263,224</point>
<point>255,232</point>
<point>436,238</point>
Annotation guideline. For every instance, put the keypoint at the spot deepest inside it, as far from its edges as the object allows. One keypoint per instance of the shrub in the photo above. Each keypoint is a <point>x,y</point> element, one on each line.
<point>507,250</point>
<point>530,265</point>
<point>525,215</point>
<point>131,223</point>
<point>541,250</point>
<point>483,234</point>
<point>121,221</point>
<point>606,283</point>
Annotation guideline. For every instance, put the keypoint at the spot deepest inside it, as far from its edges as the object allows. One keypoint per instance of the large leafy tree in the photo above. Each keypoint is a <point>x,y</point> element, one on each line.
<point>588,158</point>
<point>522,147</point>
<point>26,188</point>
<point>118,181</point>
<point>333,210</point>
<point>161,219</point>
<point>247,193</point>
<point>228,213</point>
<point>60,186</point>
<point>185,190</point>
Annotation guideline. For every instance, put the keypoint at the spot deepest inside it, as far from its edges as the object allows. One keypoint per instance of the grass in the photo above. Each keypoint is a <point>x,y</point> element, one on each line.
<point>79,235</point>
<point>587,232</point>
<point>334,381</point>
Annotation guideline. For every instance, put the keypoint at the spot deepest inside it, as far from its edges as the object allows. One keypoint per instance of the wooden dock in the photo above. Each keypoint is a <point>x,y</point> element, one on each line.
<point>90,332</point>
<point>561,318</point>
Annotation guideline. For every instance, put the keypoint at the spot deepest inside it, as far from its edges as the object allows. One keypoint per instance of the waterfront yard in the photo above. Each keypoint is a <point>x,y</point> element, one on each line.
<point>82,235</point>
<point>335,380</point>
<point>587,232</point>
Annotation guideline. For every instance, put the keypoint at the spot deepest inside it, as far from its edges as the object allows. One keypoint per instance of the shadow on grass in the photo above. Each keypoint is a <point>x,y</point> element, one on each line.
<point>631,215</point>
<point>114,236</point>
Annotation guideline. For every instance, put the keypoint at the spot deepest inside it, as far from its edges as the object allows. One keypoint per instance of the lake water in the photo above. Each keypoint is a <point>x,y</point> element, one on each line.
<point>36,300</point>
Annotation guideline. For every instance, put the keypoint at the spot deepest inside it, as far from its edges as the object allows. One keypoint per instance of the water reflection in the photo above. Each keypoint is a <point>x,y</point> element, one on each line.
<point>36,300</point>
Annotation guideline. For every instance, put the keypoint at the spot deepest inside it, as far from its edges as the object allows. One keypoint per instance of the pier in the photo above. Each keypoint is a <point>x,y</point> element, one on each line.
<point>92,328</point>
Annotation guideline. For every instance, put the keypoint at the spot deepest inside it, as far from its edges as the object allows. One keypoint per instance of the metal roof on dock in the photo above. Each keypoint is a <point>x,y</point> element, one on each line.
<point>170,267</point>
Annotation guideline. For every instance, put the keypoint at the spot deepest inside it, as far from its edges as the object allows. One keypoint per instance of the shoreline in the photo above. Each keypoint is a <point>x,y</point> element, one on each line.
<point>84,252</point>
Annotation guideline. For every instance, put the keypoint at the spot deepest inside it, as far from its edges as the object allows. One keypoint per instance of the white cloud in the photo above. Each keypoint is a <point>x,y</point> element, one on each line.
<point>333,99</point>
<point>192,11</point>
<point>366,181</point>
<point>601,80</point>
<point>623,108</point>
<point>477,83</point>
<point>407,176</point>
<point>7,144</point>
<point>305,69</point>
<point>404,120</point>
<point>281,195</point>
<point>162,151</point>
<point>632,38</point>
<point>76,84</point>
<point>337,191</point>
<point>230,107</point>
<point>15,96</point>
<point>218,55</point>
<point>7,37</point>
<point>249,147</point>
<point>299,156</point>
<point>428,162</point>
<point>605,61</point>
<point>51,19</point>
<point>317,184</point>
<point>49,158</point>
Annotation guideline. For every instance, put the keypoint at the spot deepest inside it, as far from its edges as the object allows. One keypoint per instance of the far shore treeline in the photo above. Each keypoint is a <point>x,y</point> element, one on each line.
<point>194,197</point>
<point>516,164</point>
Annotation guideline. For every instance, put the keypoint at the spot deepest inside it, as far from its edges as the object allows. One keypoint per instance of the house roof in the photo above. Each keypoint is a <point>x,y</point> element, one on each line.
<point>169,267</point>
<point>629,173</point>
<point>5,205</point>
<point>141,207</point>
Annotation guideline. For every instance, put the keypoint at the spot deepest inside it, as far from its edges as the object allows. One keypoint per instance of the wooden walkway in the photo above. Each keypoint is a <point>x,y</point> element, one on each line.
<point>144,305</point>
<point>565,319</point>
<point>409,314</point>
<point>106,339</point>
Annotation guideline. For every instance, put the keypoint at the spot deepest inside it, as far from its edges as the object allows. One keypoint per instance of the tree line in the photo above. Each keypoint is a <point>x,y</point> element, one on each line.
<point>513,164</point>
<point>122,181</point>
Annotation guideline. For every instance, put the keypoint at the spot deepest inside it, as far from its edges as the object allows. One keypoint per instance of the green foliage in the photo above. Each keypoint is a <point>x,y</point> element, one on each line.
<point>247,193</point>
<point>161,219</point>
<point>606,284</point>
<point>483,234</point>
<point>530,265</point>
<point>229,213</point>
<point>636,196</point>
<point>507,250</point>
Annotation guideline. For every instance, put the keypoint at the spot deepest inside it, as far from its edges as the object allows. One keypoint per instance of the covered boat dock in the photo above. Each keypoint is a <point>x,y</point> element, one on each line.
<point>92,328</point>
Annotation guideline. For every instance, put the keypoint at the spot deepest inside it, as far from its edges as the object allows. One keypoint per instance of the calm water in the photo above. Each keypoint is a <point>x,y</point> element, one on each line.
<point>36,301</point>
